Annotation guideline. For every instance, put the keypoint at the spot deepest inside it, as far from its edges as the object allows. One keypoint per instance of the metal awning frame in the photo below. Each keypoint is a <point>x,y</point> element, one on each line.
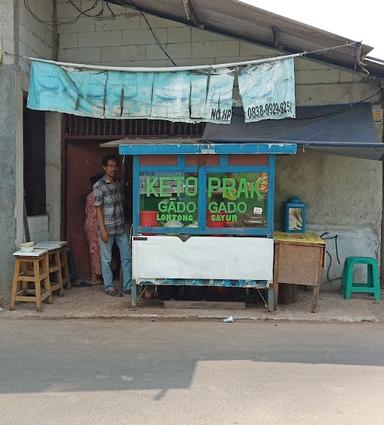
<point>208,149</point>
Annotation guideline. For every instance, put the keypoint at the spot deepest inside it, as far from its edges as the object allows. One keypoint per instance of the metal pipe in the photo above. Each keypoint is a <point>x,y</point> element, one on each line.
<point>169,68</point>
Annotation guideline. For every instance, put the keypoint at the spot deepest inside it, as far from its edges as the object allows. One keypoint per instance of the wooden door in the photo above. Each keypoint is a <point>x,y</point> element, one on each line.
<point>83,160</point>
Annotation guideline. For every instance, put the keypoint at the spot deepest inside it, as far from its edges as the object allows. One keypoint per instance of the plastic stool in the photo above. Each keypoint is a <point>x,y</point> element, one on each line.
<point>372,286</point>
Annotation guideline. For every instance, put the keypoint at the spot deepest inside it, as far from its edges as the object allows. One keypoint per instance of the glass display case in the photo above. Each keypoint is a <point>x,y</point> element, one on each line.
<point>222,195</point>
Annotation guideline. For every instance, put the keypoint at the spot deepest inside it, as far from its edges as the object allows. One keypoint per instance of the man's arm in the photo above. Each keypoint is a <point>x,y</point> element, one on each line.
<point>100,222</point>
<point>98,195</point>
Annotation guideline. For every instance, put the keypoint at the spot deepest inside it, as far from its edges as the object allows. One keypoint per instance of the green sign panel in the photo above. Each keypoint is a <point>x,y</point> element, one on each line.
<point>234,198</point>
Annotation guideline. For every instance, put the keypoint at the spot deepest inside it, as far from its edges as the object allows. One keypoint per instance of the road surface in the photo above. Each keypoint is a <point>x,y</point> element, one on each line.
<point>183,373</point>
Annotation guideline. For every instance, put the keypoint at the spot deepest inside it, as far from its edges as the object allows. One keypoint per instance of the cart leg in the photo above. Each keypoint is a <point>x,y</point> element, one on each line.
<point>315,297</point>
<point>271,299</point>
<point>133,293</point>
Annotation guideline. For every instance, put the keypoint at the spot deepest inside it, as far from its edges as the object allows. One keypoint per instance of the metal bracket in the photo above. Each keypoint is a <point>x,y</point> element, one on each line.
<point>191,13</point>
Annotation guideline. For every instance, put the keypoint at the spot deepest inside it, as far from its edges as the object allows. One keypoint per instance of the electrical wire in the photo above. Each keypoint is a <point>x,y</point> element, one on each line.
<point>50,23</point>
<point>85,12</point>
<point>99,15</point>
<point>73,20</point>
<point>325,236</point>
<point>156,39</point>
<point>325,49</point>
<point>142,14</point>
<point>110,10</point>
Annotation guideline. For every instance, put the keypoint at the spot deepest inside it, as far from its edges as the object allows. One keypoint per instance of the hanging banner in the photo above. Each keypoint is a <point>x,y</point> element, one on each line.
<point>171,96</point>
<point>185,96</point>
<point>91,91</point>
<point>51,89</point>
<point>128,95</point>
<point>218,105</point>
<point>268,91</point>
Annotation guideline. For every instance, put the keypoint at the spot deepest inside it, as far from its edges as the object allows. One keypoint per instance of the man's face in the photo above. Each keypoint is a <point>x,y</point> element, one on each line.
<point>111,169</point>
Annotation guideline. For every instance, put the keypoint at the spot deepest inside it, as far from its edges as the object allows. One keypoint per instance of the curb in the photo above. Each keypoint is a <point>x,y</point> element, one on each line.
<point>193,318</point>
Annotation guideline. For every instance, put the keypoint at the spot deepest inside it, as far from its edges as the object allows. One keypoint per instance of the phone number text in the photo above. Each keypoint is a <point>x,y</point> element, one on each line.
<point>270,109</point>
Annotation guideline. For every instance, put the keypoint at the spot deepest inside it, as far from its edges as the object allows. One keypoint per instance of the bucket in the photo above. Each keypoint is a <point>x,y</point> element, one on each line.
<point>148,218</point>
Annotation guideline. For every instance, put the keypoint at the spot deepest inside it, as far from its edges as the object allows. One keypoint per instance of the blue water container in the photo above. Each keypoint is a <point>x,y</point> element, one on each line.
<point>294,215</point>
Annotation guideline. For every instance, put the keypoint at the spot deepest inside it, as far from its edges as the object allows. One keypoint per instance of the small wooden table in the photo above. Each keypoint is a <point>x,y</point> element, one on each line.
<point>55,268</point>
<point>31,268</point>
<point>63,246</point>
<point>298,260</point>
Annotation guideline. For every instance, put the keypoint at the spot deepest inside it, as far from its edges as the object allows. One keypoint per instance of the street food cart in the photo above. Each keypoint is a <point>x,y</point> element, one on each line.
<point>203,214</point>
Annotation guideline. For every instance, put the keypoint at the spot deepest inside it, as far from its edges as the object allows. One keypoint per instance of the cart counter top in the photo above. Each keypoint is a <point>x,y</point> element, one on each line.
<point>299,238</point>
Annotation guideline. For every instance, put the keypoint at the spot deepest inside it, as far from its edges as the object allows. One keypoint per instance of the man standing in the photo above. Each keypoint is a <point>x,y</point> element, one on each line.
<point>109,198</point>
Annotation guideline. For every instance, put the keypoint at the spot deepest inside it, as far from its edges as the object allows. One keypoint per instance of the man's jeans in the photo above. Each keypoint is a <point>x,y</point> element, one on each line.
<point>122,242</point>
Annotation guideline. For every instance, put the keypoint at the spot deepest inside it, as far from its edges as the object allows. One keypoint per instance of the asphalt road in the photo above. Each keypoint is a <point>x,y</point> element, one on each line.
<point>181,373</point>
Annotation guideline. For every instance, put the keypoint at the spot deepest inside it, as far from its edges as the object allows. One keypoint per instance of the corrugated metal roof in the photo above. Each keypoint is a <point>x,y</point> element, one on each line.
<point>240,20</point>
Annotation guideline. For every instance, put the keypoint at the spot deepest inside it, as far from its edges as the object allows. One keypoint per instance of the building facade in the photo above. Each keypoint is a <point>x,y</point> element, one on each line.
<point>344,195</point>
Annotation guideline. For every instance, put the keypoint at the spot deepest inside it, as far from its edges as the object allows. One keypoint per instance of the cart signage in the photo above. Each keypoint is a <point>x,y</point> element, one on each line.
<point>166,186</point>
<point>234,199</point>
<point>230,197</point>
<point>169,199</point>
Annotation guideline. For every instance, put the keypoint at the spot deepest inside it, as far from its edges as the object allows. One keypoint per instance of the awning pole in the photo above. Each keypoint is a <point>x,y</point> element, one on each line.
<point>166,68</point>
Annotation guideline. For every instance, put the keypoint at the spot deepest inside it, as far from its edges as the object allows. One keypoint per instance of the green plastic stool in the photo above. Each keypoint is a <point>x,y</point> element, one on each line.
<point>372,286</point>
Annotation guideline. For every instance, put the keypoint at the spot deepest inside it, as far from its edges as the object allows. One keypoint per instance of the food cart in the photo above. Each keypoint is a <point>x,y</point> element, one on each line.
<point>203,214</point>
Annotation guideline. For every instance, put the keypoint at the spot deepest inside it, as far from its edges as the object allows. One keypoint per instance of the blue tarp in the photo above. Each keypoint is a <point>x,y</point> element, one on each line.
<point>346,130</point>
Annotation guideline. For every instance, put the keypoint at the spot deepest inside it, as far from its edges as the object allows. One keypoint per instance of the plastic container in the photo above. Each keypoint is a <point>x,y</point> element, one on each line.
<point>148,218</point>
<point>26,246</point>
<point>294,215</point>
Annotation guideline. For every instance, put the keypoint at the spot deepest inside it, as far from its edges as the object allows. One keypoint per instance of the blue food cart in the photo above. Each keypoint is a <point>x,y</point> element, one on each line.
<point>203,214</point>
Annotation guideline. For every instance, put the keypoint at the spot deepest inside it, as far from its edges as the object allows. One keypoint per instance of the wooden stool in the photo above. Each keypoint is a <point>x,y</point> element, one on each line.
<point>64,266</point>
<point>55,267</point>
<point>31,268</point>
<point>55,270</point>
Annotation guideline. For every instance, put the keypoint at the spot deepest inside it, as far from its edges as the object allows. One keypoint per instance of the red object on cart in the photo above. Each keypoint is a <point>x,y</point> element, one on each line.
<point>215,223</point>
<point>148,218</point>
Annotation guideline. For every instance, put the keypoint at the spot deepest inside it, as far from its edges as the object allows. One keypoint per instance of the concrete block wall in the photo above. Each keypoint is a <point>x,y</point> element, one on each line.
<point>35,38</point>
<point>7,9</point>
